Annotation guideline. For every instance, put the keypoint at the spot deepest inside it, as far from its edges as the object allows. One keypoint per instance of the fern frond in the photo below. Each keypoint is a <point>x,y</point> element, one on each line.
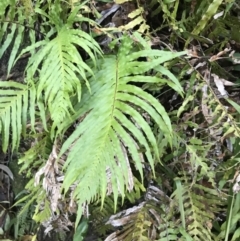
<point>211,10</point>
<point>99,215</point>
<point>200,205</point>
<point>38,198</point>
<point>133,223</point>
<point>104,126</point>
<point>35,157</point>
<point>137,19</point>
<point>42,211</point>
<point>62,65</point>
<point>230,229</point>
<point>168,231</point>
<point>23,222</point>
<point>14,107</point>
<point>140,222</point>
<point>11,30</point>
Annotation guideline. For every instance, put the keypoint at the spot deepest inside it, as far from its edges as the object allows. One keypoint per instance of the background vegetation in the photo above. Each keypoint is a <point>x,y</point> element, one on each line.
<point>119,120</point>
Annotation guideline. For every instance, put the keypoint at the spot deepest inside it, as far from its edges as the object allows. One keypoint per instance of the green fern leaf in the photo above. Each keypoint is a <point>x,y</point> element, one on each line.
<point>199,203</point>
<point>8,39</point>
<point>62,66</point>
<point>13,111</point>
<point>17,42</point>
<point>105,127</point>
<point>4,4</point>
<point>11,33</point>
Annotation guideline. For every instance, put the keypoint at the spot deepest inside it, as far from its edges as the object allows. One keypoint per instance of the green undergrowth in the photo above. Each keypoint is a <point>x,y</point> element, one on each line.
<point>131,127</point>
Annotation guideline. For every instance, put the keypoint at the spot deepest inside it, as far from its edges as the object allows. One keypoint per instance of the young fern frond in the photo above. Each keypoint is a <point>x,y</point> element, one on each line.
<point>104,125</point>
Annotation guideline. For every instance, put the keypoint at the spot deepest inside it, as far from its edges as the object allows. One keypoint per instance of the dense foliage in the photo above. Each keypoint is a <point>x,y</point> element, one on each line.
<point>123,117</point>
